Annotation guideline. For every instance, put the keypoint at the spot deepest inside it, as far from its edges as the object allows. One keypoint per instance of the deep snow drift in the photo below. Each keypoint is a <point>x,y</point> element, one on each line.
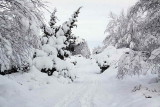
<point>90,89</point>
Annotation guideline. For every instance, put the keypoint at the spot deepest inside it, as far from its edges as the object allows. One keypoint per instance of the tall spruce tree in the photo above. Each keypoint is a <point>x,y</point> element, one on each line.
<point>67,28</point>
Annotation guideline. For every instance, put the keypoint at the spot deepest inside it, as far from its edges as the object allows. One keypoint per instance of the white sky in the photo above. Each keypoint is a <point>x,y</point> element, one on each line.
<point>93,19</point>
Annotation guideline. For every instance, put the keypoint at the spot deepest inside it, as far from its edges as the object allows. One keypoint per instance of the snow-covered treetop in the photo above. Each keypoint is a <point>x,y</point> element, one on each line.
<point>79,40</point>
<point>53,18</point>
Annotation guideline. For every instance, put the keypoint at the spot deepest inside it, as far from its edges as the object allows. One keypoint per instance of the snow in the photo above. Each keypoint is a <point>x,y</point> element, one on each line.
<point>40,53</point>
<point>110,55</point>
<point>132,45</point>
<point>49,49</point>
<point>44,40</point>
<point>90,89</point>
<point>43,62</point>
<point>49,30</point>
<point>52,40</point>
<point>60,32</point>
<point>155,53</point>
<point>65,27</point>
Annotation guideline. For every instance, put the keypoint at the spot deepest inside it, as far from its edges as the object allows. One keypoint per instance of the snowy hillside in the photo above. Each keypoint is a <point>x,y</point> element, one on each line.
<point>90,89</point>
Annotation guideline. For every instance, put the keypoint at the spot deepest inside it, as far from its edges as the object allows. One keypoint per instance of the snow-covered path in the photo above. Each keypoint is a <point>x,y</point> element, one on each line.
<point>86,91</point>
<point>82,94</point>
<point>90,89</point>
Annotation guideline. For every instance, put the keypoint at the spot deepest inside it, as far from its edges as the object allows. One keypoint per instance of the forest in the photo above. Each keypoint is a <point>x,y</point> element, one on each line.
<point>44,64</point>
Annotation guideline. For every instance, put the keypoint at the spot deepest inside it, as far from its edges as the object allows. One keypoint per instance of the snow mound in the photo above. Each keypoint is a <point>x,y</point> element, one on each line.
<point>111,55</point>
<point>43,62</point>
<point>14,93</point>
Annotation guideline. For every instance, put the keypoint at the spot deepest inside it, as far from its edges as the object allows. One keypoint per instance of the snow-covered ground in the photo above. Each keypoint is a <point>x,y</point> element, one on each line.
<point>90,89</point>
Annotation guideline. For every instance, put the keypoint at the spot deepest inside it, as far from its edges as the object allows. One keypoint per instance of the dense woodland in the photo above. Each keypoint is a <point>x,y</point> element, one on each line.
<point>23,45</point>
<point>29,44</point>
<point>138,29</point>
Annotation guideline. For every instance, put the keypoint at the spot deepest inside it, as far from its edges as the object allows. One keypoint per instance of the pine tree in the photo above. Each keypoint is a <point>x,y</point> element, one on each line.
<point>53,19</point>
<point>53,51</point>
<point>52,29</point>
<point>67,28</point>
<point>65,37</point>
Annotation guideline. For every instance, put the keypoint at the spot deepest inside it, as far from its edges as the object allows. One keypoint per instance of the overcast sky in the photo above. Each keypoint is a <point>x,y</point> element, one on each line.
<point>93,19</point>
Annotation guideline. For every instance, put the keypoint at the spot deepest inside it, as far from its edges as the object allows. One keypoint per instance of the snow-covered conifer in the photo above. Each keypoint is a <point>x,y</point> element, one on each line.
<point>67,28</point>
<point>53,19</point>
